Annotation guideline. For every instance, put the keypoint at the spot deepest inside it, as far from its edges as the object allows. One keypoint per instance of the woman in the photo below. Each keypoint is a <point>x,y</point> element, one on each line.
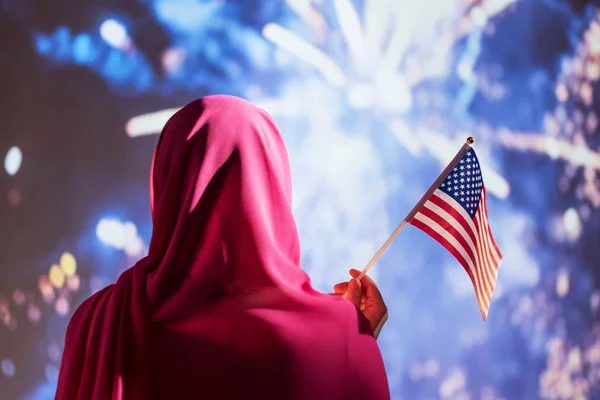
<point>219,309</point>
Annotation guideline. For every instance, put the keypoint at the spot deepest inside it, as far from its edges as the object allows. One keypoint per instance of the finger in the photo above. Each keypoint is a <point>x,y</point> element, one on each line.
<point>354,293</point>
<point>341,287</point>
<point>336,294</point>
<point>370,288</point>
<point>366,279</point>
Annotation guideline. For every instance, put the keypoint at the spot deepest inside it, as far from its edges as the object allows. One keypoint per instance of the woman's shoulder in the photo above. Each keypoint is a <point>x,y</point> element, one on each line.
<point>86,309</point>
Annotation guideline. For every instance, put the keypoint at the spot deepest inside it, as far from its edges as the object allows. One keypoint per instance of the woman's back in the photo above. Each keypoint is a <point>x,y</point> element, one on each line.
<point>220,307</point>
<point>269,353</point>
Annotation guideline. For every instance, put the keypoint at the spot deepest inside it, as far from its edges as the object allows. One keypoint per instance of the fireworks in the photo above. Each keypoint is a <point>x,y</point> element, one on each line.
<point>570,372</point>
<point>566,136</point>
<point>373,98</point>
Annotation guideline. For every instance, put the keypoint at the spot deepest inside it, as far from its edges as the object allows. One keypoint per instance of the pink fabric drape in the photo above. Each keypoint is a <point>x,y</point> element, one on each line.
<point>220,309</point>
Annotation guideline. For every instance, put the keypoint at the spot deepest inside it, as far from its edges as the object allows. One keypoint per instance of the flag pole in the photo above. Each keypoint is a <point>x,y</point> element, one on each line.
<point>416,208</point>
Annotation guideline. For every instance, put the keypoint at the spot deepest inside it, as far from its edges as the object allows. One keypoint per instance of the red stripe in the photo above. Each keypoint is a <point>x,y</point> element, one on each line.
<point>450,209</point>
<point>484,229</point>
<point>457,216</point>
<point>486,271</point>
<point>481,230</point>
<point>488,226</point>
<point>447,226</point>
<point>488,264</point>
<point>453,251</point>
<point>494,261</point>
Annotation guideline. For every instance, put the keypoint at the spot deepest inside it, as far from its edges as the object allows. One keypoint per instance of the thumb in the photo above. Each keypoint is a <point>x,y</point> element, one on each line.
<point>354,292</point>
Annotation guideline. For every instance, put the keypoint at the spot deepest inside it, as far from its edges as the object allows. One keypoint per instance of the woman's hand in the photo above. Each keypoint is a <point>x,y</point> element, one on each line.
<point>365,295</point>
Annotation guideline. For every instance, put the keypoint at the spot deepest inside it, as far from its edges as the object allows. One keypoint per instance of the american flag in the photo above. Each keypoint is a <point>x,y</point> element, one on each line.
<point>456,216</point>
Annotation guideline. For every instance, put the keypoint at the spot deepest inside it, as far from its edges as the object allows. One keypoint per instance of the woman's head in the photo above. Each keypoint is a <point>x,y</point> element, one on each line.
<point>221,200</point>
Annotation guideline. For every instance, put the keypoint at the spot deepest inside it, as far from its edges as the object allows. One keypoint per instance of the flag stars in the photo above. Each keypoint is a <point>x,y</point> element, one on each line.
<point>464,183</point>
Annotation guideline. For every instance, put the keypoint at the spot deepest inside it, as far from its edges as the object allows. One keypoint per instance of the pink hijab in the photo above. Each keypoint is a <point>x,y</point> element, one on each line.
<point>219,309</point>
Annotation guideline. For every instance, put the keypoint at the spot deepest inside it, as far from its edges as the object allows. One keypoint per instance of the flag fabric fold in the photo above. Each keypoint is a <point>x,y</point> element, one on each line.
<point>456,216</point>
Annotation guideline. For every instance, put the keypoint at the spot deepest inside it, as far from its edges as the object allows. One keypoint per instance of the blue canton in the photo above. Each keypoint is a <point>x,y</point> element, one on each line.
<point>464,183</point>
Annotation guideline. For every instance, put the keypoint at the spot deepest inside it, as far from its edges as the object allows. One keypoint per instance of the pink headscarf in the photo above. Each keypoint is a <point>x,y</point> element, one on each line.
<point>220,308</point>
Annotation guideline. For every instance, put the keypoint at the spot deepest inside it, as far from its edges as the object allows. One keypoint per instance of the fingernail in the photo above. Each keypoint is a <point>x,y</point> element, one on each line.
<point>354,283</point>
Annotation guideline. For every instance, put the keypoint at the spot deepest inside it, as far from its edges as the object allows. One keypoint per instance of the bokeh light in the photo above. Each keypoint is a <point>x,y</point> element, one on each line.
<point>114,33</point>
<point>62,306</point>
<point>68,264</point>
<point>73,283</point>
<point>14,197</point>
<point>33,313</point>
<point>111,232</point>
<point>45,288</point>
<point>57,276</point>
<point>8,367</point>
<point>13,160</point>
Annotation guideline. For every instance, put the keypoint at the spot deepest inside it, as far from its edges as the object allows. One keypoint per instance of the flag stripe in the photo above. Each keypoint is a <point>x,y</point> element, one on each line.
<point>486,224</point>
<point>451,244</point>
<point>449,223</point>
<point>422,222</point>
<point>487,239</point>
<point>466,238</point>
<point>487,261</point>
<point>451,206</point>
<point>442,200</point>
<point>484,256</point>
<point>480,225</point>
<point>489,256</point>
<point>491,266</point>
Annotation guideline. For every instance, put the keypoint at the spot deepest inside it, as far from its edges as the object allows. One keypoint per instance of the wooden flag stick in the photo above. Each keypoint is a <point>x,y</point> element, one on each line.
<point>418,206</point>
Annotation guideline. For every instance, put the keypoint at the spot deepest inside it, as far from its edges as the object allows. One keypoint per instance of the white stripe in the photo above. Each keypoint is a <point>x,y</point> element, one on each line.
<point>463,213</point>
<point>487,265</point>
<point>461,230</point>
<point>482,222</point>
<point>479,221</point>
<point>461,210</point>
<point>486,222</point>
<point>446,235</point>
<point>486,261</point>
<point>493,267</point>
